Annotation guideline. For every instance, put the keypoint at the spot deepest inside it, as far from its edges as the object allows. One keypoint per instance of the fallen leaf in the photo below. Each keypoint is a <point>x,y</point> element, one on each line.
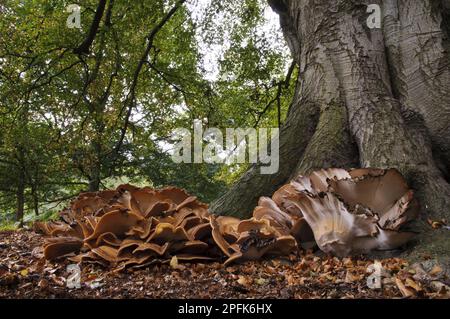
<point>411,283</point>
<point>405,291</point>
<point>60,281</point>
<point>94,284</point>
<point>440,287</point>
<point>290,280</point>
<point>37,252</point>
<point>43,283</point>
<point>243,281</point>
<point>349,277</point>
<point>347,262</point>
<point>435,270</point>
<point>24,273</point>
<point>175,265</point>
<point>261,281</point>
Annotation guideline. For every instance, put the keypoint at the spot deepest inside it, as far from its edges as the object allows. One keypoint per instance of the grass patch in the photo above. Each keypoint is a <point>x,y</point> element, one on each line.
<point>8,226</point>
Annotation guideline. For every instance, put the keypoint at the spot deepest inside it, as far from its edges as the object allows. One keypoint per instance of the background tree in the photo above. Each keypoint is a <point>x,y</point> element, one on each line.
<point>84,109</point>
<point>365,97</point>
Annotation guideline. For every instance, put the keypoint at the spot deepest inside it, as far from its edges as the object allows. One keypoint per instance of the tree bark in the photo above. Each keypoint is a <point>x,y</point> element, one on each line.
<point>418,52</point>
<point>83,48</point>
<point>381,97</point>
<point>331,145</point>
<point>35,195</point>
<point>20,197</point>
<point>95,171</point>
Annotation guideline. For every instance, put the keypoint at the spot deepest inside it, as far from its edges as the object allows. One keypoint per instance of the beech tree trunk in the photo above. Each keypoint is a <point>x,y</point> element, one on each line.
<point>368,98</point>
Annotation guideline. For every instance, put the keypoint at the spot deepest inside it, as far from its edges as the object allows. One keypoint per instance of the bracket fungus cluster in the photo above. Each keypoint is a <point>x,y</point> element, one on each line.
<point>352,212</point>
<point>134,227</point>
<point>343,212</point>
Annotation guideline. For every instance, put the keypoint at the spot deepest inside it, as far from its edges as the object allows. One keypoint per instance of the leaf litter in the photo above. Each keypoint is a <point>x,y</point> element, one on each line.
<point>24,273</point>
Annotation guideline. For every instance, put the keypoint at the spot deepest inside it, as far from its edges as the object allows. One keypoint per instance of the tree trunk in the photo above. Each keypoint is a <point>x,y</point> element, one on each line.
<point>94,182</point>
<point>95,174</point>
<point>20,197</point>
<point>35,195</point>
<point>381,98</point>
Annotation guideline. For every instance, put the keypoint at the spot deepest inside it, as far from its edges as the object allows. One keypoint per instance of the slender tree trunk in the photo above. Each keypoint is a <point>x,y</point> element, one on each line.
<point>95,171</point>
<point>94,181</point>
<point>20,197</point>
<point>381,97</point>
<point>35,196</point>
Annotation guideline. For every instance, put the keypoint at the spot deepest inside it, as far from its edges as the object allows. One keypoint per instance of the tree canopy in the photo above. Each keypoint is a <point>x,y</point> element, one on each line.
<point>87,108</point>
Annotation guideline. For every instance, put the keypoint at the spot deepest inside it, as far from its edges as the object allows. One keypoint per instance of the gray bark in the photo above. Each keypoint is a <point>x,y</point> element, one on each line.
<point>419,60</point>
<point>331,145</point>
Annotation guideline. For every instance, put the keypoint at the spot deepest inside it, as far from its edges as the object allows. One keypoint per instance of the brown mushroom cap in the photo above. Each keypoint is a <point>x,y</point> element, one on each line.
<point>379,193</point>
<point>173,194</point>
<point>192,247</point>
<point>319,179</point>
<point>253,246</point>
<point>90,258</point>
<point>200,231</point>
<point>107,253</point>
<point>272,211</point>
<point>165,232</point>
<point>61,246</point>
<point>218,234</point>
<point>228,226</point>
<point>302,232</point>
<point>109,239</point>
<point>403,211</point>
<point>117,222</point>
<point>128,245</point>
<point>87,205</point>
<point>152,247</point>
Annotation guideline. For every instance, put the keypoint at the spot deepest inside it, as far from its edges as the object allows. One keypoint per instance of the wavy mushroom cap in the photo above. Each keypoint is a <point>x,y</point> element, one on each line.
<point>319,179</point>
<point>384,192</point>
<point>357,211</point>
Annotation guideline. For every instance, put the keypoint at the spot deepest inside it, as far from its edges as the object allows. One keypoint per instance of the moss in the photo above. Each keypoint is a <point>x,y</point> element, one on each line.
<point>434,244</point>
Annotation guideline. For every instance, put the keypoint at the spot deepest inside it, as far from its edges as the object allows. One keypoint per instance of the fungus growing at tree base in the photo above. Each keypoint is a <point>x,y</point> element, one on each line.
<point>342,212</point>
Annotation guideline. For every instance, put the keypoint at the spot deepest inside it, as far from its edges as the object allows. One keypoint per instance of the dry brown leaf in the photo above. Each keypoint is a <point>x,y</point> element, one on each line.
<point>24,272</point>
<point>435,270</point>
<point>350,277</point>
<point>411,283</point>
<point>175,265</point>
<point>242,280</point>
<point>261,281</point>
<point>406,292</point>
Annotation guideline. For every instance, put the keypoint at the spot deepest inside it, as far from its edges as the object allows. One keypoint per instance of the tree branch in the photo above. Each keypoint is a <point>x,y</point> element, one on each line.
<point>84,47</point>
<point>130,99</point>
<point>280,84</point>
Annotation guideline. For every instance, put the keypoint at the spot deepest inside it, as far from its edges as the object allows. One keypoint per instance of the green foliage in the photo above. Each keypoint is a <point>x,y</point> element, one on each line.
<point>70,122</point>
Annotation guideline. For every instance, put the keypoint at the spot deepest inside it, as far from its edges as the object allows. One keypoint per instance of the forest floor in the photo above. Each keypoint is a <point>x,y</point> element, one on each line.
<point>24,273</point>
